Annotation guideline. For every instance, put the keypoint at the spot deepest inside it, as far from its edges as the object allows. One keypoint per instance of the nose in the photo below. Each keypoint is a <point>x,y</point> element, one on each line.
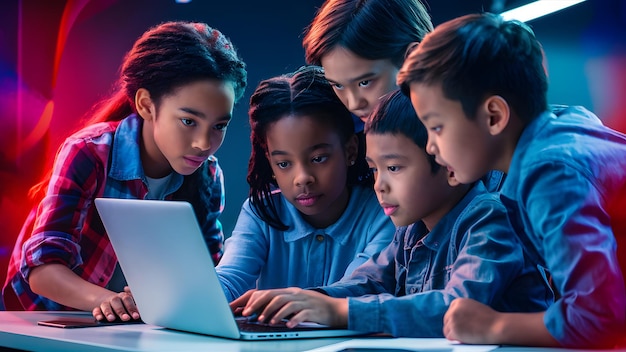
<point>380,185</point>
<point>354,101</point>
<point>202,142</point>
<point>431,147</point>
<point>303,177</point>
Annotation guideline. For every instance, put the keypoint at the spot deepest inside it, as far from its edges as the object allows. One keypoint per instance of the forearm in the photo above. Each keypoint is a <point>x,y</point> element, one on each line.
<point>239,269</point>
<point>414,315</point>
<point>527,329</point>
<point>60,284</point>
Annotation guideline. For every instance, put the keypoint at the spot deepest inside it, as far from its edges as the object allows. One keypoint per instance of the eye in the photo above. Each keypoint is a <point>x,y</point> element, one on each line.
<point>337,86</point>
<point>436,129</point>
<point>365,83</point>
<point>319,159</point>
<point>282,164</point>
<point>394,168</point>
<point>373,170</point>
<point>188,122</point>
<point>221,126</point>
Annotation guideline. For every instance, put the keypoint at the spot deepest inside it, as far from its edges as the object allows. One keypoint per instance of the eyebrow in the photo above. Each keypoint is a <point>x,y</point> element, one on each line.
<point>203,116</point>
<point>355,79</point>
<point>394,156</point>
<point>311,149</point>
<point>426,117</point>
<point>390,157</point>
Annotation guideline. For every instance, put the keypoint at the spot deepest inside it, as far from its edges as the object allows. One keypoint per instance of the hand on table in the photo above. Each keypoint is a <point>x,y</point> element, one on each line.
<point>117,306</point>
<point>469,321</point>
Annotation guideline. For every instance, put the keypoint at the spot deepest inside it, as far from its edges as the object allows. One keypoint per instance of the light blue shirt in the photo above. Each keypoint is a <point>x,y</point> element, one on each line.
<point>257,255</point>
<point>471,252</point>
<point>564,170</point>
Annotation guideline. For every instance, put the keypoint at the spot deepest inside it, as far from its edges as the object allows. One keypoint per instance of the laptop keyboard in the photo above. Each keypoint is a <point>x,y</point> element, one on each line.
<point>256,326</point>
<point>259,327</point>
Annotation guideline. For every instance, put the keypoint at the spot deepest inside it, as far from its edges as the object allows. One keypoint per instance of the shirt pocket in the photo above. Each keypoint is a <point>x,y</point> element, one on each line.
<point>439,278</point>
<point>401,279</point>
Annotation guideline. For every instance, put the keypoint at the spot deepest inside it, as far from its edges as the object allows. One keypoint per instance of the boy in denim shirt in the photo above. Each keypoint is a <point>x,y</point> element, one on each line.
<point>452,240</point>
<point>479,85</point>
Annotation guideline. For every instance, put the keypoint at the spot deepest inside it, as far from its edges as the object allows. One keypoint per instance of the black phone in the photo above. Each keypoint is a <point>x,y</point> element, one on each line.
<point>78,322</point>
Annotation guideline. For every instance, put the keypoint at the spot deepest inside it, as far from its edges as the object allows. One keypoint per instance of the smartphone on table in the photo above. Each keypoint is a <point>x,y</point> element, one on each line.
<point>83,322</point>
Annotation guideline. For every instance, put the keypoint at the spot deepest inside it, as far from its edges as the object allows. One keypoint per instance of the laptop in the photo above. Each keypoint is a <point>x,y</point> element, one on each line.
<point>169,270</point>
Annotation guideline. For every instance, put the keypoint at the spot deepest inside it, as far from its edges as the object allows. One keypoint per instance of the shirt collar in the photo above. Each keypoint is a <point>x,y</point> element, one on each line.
<point>125,157</point>
<point>530,131</point>
<point>340,231</point>
<point>441,232</point>
<point>125,154</point>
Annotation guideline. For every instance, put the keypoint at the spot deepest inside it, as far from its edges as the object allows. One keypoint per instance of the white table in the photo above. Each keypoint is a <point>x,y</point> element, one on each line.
<point>19,330</point>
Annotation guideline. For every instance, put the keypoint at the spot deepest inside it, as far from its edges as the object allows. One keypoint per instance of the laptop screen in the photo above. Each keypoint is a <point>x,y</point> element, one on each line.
<point>162,253</point>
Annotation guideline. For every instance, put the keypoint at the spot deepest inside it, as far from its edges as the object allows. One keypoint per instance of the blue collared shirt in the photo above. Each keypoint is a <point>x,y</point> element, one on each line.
<point>258,255</point>
<point>565,170</point>
<point>472,252</point>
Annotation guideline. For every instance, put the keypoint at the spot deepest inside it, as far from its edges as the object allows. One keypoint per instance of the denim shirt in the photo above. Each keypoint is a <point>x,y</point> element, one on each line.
<point>564,172</point>
<point>125,166</point>
<point>260,256</point>
<point>472,252</point>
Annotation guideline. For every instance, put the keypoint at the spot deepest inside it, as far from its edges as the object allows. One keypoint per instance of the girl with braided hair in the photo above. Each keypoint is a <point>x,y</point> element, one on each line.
<point>312,216</point>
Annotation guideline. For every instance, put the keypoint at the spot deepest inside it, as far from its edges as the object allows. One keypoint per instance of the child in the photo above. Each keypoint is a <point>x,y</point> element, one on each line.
<point>362,44</point>
<point>312,216</point>
<point>153,139</point>
<point>479,85</point>
<point>452,240</point>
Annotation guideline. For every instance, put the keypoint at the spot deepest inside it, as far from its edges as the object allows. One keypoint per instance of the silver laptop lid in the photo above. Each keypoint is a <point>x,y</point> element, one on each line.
<point>167,265</point>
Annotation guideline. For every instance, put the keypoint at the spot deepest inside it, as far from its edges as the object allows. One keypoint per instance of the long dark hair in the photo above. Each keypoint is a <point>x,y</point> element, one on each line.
<point>167,57</point>
<point>372,29</point>
<point>164,58</point>
<point>303,92</point>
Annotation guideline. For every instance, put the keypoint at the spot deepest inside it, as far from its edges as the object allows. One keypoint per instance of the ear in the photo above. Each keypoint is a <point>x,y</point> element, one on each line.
<point>410,48</point>
<point>352,149</point>
<point>497,113</point>
<point>144,104</point>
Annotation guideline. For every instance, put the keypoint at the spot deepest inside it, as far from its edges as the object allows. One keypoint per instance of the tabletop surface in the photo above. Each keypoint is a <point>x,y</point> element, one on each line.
<point>19,330</point>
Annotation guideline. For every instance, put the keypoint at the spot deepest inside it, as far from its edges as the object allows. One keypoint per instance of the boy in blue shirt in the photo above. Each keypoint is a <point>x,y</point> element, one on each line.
<point>479,85</point>
<point>452,240</point>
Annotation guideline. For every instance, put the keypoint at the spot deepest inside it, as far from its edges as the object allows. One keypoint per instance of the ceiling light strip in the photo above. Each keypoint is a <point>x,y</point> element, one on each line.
<point>537,9</point>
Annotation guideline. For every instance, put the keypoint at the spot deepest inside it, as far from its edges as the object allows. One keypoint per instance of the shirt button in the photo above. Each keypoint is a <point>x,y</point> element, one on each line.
<point>319,238</point>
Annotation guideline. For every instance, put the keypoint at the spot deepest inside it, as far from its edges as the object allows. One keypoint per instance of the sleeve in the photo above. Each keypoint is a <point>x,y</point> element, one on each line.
<point>376,275</point>
<point>379,234</point>
<point>76,177</point>
<point>573,233</point>
<point>489,257</point>
<point>245,254</point>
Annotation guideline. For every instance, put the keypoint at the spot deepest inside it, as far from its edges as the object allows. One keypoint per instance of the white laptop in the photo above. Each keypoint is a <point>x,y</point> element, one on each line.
<point>169,270</point>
